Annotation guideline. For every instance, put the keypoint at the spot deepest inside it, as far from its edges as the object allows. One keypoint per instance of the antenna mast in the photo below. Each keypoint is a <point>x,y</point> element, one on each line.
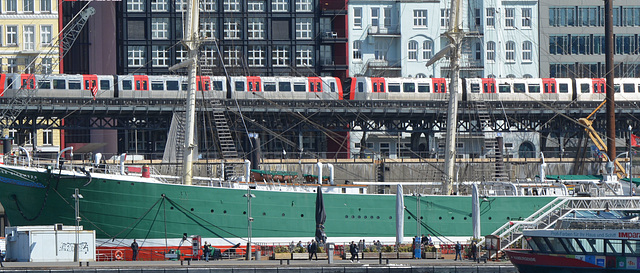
<point>192,42</point>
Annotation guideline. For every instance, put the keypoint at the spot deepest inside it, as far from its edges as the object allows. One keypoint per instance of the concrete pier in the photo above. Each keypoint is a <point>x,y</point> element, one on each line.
<point>271,266</point>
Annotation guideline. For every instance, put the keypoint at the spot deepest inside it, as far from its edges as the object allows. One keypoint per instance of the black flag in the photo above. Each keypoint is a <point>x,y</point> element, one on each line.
<point>321,216</point>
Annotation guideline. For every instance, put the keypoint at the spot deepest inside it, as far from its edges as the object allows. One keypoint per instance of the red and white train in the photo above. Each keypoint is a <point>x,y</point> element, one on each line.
<point>315,88</point>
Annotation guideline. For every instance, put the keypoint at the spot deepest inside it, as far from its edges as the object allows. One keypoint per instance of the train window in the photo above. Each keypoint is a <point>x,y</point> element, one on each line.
<point>475,88</point>
<point>534,88</point>
<point>563,87</point>
<point>424,88</point>
<point>46,84</point>
<point>217,86</point>
<point>584,88</point>
<point>312,86</point>
<point>394,87</point>
<point>409,87</point>
<point>299,87</point>
<point>157,86</point>
<point>628,88</point>
<point>360,87</point>
<point>173,85</point>
<point>270,86</point>
<point>59,84</point>
<point>519,88</point>
<point>185,86</point>
<point>332,86</point>
<point>105,85</point>
<point>75,85</point>
<point>284,86</point>
<point>240,86</point>
<point>504,88</point>
<point>616,88</point>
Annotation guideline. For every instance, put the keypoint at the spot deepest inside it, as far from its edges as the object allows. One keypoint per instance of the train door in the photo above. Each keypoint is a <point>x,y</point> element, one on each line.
<point>90,83</point>
<point>549,89</point>
<point>27,81</point>
<point>253,84</point>
<point>3,81</point>
<point>489,89</point>
<point>378,88</point>
<point>598,89</point>
<point>439,88</point>
<point>141,83</point>
<point>315,86</point>
<point>203,83</point>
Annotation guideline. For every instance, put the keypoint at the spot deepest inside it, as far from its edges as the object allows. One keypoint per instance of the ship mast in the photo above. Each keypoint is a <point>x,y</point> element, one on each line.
<point>192,42</point>
<point>455,36</point>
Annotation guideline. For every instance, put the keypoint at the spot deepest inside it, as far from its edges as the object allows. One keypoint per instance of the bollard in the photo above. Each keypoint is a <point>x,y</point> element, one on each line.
<point>380,258</point>
<point>387,260</point>
<point>189,262</point>
<point>87,263</point>
<point>80,264</point>
<point>181,262</point>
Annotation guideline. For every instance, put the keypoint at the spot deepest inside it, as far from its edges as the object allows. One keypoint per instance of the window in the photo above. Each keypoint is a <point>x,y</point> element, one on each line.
<point>420,18</point>
<point>27,6</point>
<point>232,28</point>
<point>304,56</point>
<point>412,51</point>
<point>280,56</point>
<point>526,51</point>
<point>45,35</point>
<point>510,53</point>
<point>509,19</point>
<point>12,65</point>
<point>427,50</point>
<point>491,51</point>
<point>12,5</point>
<point>255,28</point>
<point>381,50</point>
<point>207,27</point>
<point>45,6</point>
<point>526,18</point>
<point>159,55</point>
<point>159,5</point>
<point>491,17</point>
<point>280,5</point>
<point>303,28</point>
<point>181,5</point>
<point>232,55</point>
<point>387,18</point>
<point>28,38</point>
<point>255,5</point>
<point>209,54</point>
<point>135,56</point>
<point>256,55</point>
<point>181,54</point>
<point>135,5</point>
<point>375,17</point>
<point>160,28</point>
<point>231,5</point>
<point>304,5</point>
<point>444,18</point>
<point>357,53</point>
<point>477,19</point>
<point>357,18</point>
<point>208,5</point>
<point>12,35</point>
<point>47,137</point>
<point>47,66</point>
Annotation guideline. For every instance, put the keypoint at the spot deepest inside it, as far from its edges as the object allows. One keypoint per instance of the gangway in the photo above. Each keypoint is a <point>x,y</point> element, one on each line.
<point>547,216</point>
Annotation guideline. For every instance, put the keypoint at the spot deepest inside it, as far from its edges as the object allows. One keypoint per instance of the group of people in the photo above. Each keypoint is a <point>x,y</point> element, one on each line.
<point>473,251</point>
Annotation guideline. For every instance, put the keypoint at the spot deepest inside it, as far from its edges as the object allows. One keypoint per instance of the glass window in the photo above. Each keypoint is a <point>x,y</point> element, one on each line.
<point>232,28</point>
<point>409,87</point>
<point>303,28</point>
<point>509,17</point>
<point>357,54</point>
<point>135,56</point>
<point>511,52</point>
<point>424,88</point>
<point>27,6</point>
<point>563,87</point>
<point>412,51</point>
<point>299,87</point>
<point>45,35</point>
<point>45,6</point>
<point>160,56</point>
<point>255,5</point>
<point>75,84</point>
<point>304,5</point>
<point>534,88</point>
<point>231,5</point>
<point>394,87</point>
<point>232,55</point>
<point>208,27</point>
<point>157,85</point>
<point>280,5</point>
<point>256,55</point>
<point>427,49</point>
<point>284,86</point>
<point>160,28</point>
<point>304,56</point>
<point>357,18</point>
<point>29,42</point>
<point>629,88</point>
<point>491,51</point>
<point>519,88</point>
<point>105,85</point>
<point>527,51</point>
<point>375,17</point>
<point>444,18</point>
<point>135,5</point>
<point>208,5</point>
<point>280,56</point>
<point>491,17</point>
<point>584,88</point>
<point>504,88</point>
<point>255,28</point>
<point>59,84</point>
<point>159,5</point>
<point>526,17</point>
<point>542,245</point>
<point>420,18</point>
<point>12,6</point>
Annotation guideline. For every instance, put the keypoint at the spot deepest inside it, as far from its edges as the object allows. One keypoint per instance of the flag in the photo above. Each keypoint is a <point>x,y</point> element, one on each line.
<point>321,216</point>
<point>635,140</point>
<point>94,91</point>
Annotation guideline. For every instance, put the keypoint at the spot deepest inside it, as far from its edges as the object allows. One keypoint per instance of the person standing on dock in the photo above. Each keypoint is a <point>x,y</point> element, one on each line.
<point>134,248</point>
<point>207,251</point>
<point>313,250</point>
<point>458,249</point>
<point>353,248</point>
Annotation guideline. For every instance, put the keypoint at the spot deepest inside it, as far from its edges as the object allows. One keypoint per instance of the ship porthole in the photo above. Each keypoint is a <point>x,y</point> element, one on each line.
<point>489,218</point>
<point>508,218</point>
<point>244,212</point>
<point>346,216</point>
<point>191,209</point>
<point>465,218</point>
<point>390,217</point>
<point>283,215</point>
<point>365,217</point>
<point>440,218</point>
<point>171,208</point>
<point>378,217</point>
<point>264,213</point>
<point>211,211</point>
<point>452,217</point>
<point>225,212</point>
<point>301,215</point>
<point>359,216</point>
<point>353,216</point>
<point>421,217</point>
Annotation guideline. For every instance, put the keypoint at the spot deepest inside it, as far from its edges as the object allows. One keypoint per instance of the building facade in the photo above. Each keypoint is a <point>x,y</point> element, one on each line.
<point>28,29</point>
<point>572,42</point>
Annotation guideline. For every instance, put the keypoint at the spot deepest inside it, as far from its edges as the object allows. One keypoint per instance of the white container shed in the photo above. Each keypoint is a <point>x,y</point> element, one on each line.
<point>49,244</point>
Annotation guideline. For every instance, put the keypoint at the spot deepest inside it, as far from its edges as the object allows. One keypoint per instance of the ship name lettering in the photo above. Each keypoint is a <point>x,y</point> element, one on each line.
<point>528,259</point>
<point>629,234</point>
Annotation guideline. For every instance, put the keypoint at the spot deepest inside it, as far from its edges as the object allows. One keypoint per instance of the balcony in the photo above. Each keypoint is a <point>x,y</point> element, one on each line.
<point>330,37</point>
<point>335,63</point>
<point>333,7</point>
<point>374,64</point>
<point>384,31</point>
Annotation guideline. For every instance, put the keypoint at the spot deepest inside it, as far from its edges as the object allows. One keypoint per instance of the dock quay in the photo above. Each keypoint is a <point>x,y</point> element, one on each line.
<point>271,266</point>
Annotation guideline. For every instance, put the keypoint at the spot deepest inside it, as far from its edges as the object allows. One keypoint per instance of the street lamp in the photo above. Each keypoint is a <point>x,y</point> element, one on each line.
<point>631,185</point>
<point>418,220</point>
<point>248,195</point>
<point>77,196</point>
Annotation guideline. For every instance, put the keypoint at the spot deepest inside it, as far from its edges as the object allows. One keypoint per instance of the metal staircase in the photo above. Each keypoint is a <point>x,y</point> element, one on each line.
<point>225,139</point>
<point>492,148</point>
<point>547,216</point>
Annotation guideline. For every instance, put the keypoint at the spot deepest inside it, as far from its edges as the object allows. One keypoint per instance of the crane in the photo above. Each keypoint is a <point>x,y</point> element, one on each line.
<point>29,87</point>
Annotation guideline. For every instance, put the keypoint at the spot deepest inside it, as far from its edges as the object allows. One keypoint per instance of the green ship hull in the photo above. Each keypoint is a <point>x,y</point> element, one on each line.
<point>121,208</point>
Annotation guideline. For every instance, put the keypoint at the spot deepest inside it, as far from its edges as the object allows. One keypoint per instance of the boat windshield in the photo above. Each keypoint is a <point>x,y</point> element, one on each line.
<point>584,246</point>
